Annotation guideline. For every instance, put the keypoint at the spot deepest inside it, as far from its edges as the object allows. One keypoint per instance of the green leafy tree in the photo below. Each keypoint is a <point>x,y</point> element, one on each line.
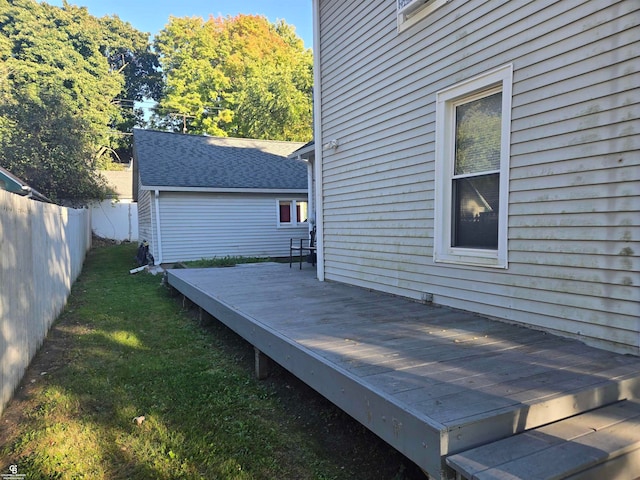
<point>45,144</point>
<point>60,85</point>
<point>239,76</point>
<point>129,54</point>
<point>195,85</point>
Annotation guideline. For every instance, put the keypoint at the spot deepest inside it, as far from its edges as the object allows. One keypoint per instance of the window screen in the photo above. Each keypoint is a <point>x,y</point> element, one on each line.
<point>476,179</point>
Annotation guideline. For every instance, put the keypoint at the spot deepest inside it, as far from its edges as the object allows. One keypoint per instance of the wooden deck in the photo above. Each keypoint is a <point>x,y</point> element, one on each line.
<point>430,381</point>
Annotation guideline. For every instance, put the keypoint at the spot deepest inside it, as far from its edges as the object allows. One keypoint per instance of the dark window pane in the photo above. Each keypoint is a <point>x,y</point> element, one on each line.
<point>285,212</point>
<point>478,128</point>
<point>475,214</point>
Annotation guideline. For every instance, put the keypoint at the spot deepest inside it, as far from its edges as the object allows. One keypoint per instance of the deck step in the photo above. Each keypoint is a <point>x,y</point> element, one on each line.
<point>602,443</point>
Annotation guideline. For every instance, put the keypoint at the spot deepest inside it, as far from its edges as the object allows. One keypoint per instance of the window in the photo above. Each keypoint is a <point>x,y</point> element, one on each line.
<point>410,11</point>
<point>292,212</point>
<point>472,167</point>
<point>301,212</point>
<point>285,212</point>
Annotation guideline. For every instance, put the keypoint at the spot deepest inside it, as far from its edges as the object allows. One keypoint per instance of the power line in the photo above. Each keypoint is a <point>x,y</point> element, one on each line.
<point>128,100</point>
<point>155,103</point>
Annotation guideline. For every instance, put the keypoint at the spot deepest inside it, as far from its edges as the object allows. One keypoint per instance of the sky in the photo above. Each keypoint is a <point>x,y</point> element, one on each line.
<point>152,15</point>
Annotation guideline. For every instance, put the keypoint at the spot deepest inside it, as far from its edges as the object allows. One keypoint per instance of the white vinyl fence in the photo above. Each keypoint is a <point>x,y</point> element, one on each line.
<point>42,249</point>
<point>115,220</point>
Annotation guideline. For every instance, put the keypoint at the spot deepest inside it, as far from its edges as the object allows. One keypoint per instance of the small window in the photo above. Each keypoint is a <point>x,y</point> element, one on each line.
<point>285,212</point>
<point>292,212</point>
<point>301,212</point>
<point>472,167</point>
<point>410,11</point>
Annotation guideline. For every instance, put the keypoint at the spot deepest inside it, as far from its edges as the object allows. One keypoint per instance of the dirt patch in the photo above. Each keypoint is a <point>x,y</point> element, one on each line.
<point>97,241</point>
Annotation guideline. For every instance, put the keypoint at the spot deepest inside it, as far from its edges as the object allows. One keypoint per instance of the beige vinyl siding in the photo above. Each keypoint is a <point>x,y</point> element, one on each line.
<point>574,221</point>
<point>207,225</point>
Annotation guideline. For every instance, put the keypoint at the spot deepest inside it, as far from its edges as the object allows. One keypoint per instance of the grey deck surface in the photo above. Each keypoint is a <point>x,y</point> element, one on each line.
<point>591,445</point>
<point>431,381</point>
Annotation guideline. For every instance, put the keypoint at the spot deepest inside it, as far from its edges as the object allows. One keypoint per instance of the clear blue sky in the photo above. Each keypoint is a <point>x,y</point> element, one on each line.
<point>152,15</point>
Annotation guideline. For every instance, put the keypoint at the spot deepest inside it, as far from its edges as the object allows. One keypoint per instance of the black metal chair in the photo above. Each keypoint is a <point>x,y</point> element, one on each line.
<point>301,246</point>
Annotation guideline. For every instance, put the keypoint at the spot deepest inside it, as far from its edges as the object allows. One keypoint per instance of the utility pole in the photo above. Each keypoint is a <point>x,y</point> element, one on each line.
<point>184,119</point>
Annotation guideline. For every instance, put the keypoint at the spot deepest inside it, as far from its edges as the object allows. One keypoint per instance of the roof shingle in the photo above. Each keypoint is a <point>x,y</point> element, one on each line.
<point>168,159</point>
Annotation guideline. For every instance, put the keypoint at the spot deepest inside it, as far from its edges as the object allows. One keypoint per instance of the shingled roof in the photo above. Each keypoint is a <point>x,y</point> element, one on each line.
<point>179,161</point>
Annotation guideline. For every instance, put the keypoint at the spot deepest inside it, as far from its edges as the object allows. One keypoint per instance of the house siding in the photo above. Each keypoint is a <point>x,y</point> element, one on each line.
<point>145,226</point>
<point>208,225</point>
<point>573,225</point>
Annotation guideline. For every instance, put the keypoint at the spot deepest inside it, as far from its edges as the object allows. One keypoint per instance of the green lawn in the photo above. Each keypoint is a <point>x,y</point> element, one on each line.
<point>125,348</point>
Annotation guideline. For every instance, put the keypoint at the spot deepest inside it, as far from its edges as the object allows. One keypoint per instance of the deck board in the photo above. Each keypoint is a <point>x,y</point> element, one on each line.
<point>429,380</point>
<point>570,446</point>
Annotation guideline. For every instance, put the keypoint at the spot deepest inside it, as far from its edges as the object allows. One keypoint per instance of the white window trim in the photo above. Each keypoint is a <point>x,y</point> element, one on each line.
<point>498,79</point>
<point>418,10</point>
<point>294,217</point>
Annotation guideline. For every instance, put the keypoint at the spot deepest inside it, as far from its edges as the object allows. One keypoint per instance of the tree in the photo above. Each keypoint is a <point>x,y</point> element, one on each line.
<point>60,85</point>
<point>128,52</point>
<point>52,149</point>
<point>271,106</point>
<point>240,76</point>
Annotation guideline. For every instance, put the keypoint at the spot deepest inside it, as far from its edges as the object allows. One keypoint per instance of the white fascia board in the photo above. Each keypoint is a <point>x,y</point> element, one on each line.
<point>224,190</point>
<point>304,152</point>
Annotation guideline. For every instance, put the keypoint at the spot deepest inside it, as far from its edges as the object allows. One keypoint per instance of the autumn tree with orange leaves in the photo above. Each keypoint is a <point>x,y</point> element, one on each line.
<point>235,76</point>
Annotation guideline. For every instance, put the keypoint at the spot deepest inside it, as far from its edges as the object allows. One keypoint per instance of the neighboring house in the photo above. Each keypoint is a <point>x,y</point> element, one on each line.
<point>13,184</point>
<point>484,156</point>
<point>204,197</point>
<point>116,217</point>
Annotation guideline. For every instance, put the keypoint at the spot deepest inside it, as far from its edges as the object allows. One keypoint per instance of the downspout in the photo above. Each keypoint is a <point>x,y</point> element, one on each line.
<point>317,135</point>
<point>311,201</point>
<point>158,260</point>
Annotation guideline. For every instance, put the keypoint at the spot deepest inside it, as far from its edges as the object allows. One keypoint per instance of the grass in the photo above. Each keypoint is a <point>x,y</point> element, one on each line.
<point>228,261</point>
<point>124,348</point>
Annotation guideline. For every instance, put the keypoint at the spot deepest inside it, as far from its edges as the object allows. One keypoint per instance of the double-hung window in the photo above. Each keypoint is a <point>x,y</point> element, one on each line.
<point>472,170</point>
<point>292,212</point>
